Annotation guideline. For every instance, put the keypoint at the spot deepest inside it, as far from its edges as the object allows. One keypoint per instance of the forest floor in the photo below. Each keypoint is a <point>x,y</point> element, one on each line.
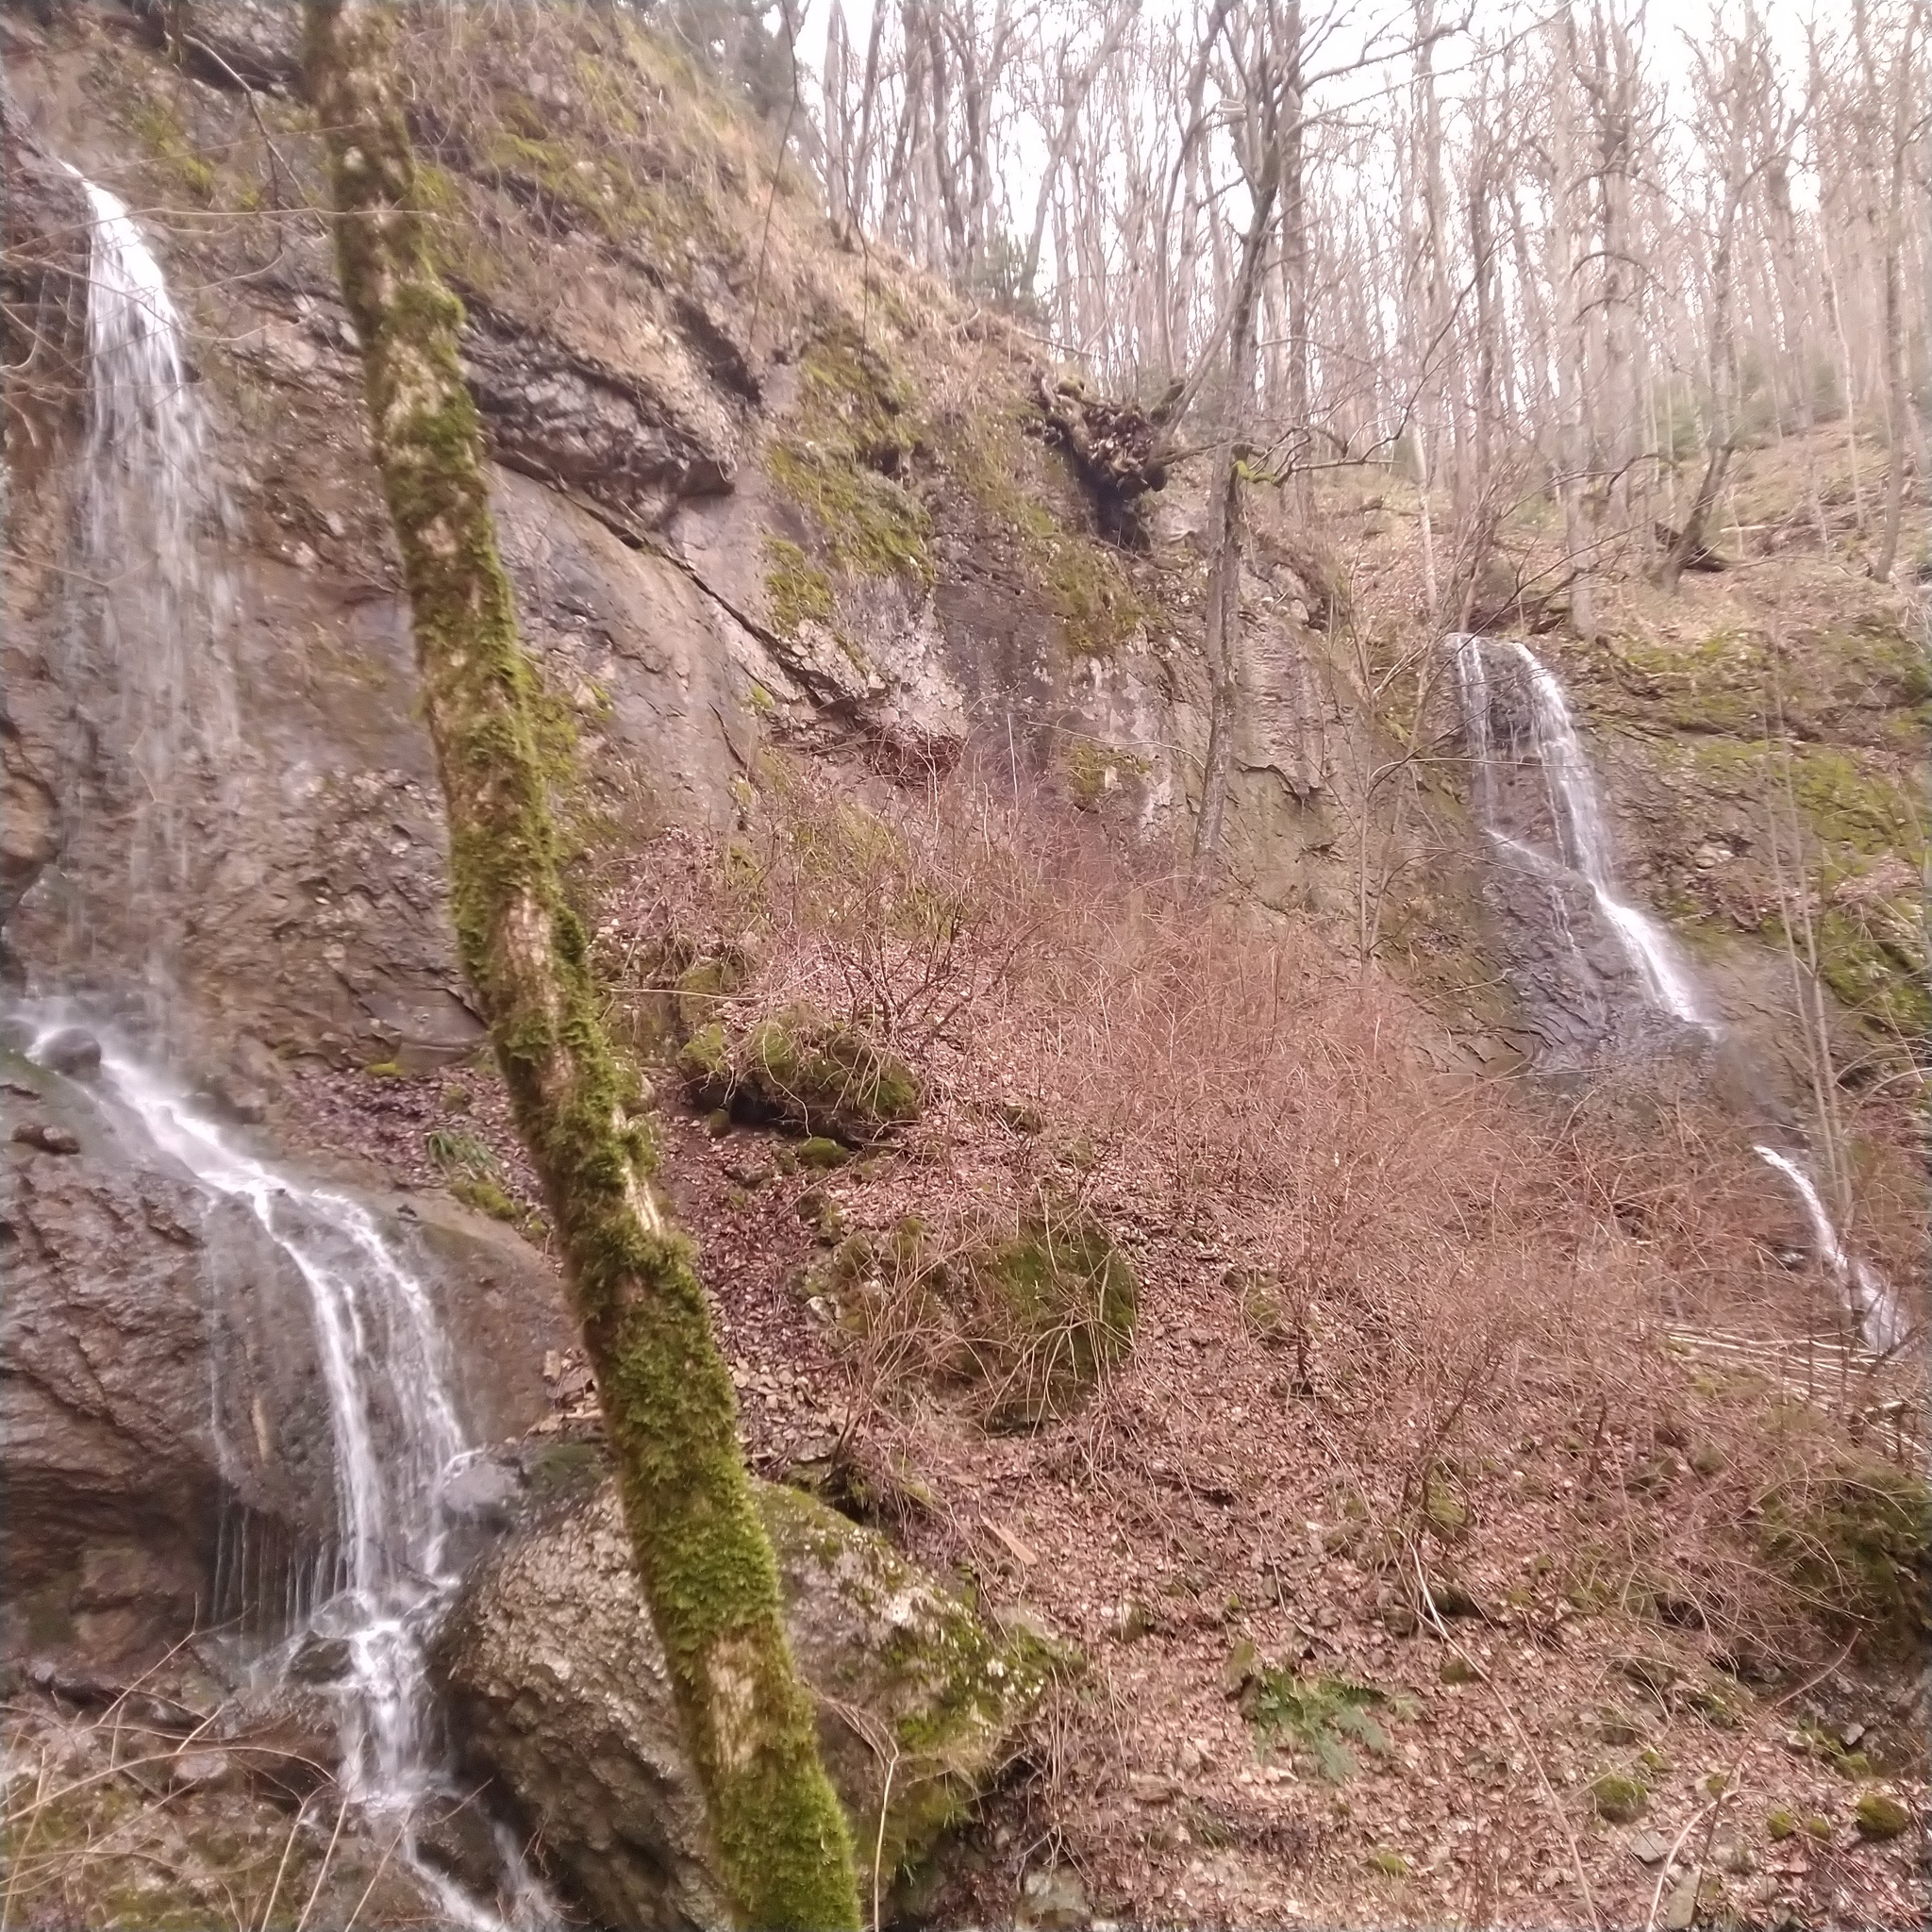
<point>1418,1557</point>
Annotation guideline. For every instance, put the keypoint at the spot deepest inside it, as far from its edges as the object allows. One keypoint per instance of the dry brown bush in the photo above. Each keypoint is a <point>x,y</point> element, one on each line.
<point>1455,1266</point>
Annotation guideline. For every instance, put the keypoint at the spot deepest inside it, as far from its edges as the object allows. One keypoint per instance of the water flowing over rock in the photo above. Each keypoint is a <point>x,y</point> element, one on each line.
<point>1868,1296</point>
<point>557,1686</point>
<point>1533,782</point>
<point>147,661</point>
<point>1561,906</point>
<point>229,1397</point>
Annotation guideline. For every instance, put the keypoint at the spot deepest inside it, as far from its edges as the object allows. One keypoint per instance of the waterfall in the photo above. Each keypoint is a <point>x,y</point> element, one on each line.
<point>1581,836</point>
<point>158,669</point>
<point>1866,1293</point>
<point>1583,852</point>
<point>149,663</point>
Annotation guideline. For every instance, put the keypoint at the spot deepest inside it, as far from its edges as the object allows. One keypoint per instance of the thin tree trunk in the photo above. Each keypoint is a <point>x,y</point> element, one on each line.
<point>1294,274</point>
<point>1074,95</point>
<point>701,1551</point>
<point>1898,431</point>
<point>1571,327</point>
<point>1224,506</point>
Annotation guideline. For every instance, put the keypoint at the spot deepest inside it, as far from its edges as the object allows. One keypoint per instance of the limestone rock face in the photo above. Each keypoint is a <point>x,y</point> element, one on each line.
<point>30,820</point>
<point>161,1399</point>
<point>557,1684</point>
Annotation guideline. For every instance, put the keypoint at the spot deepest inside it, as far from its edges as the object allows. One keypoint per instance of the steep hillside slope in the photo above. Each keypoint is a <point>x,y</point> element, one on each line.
<point>754,488</point>
<point>1393,1489</point>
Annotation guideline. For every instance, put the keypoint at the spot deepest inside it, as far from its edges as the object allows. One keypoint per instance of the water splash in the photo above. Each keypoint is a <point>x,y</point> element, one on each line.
<point>148,661</point>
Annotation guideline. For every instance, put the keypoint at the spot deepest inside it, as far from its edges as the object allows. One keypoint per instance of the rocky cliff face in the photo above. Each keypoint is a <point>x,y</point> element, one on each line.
<point>753,488</point>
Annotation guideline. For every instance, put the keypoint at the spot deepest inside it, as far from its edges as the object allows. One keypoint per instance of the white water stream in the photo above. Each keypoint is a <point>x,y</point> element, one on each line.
<point>1576,814</point>
<point>153,661</point>
<point>148,665</point>
<point>1584,850</point>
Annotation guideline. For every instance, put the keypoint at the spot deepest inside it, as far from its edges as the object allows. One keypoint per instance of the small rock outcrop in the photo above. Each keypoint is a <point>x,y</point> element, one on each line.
<point>557,1684</point>
<point>799,1070</point>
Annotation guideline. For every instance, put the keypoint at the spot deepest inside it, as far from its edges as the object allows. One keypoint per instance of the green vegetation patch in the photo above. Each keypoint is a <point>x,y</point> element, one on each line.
<point>795,587</point>
<point>159,128</point>
<point>1858,1542</point>
<point>950,1689</point>
<point>473,1174</point>
<point>800,1071</point>
<point>1619,1797</point>
<point>1880,1816</point>
<point>843,461</point>
<point>1031,1316</point>
<point>1086,581</point>
<point>1323,1720</point>
<point>1720,683</point>
<point>1864,849</point>
<point>1095,770</point>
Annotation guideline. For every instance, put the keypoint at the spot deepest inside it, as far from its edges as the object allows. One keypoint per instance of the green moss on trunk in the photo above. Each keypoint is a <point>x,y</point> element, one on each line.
<point>702,1557</point>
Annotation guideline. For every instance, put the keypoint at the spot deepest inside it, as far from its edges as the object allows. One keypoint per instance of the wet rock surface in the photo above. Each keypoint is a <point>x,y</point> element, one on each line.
<point>167,1430</point>
<point>557,1686</point>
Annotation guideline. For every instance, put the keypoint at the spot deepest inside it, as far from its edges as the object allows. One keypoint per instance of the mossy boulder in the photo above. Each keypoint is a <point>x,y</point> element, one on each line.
<point>1858,1542</point>
<point>1881,1816</point>
<point>1618,1796</point>
<point>1030,1316</point>
<point>558,1689</point>
<point>804,1072</point>
<point>1062,1301</point>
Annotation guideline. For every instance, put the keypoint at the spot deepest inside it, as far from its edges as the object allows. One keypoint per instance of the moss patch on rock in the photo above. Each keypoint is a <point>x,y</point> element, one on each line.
<point>843,461</point>
<point>948,1687</point>
<point>797,589</point>
<point>1030,1316</point>
<point>1087,583</point>
<point>1618,1797</point>
<point>1858,1542</point>
<point>555,1673</point>
<point>800,1071</point>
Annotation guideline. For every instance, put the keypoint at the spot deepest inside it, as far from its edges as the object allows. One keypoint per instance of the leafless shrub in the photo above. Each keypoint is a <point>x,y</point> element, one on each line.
<point>1452,1268</point>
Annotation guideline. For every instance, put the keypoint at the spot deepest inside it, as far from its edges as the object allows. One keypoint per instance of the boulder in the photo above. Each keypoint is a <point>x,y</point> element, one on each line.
<point>803,1072</point>
<point>556,1688</point>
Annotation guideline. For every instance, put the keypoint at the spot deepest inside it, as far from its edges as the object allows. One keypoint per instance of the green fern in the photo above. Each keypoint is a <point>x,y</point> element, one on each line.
<point>1323,1717</point>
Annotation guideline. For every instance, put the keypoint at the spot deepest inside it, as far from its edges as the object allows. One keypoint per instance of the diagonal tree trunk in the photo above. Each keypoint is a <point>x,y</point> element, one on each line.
<point>707,1570</point>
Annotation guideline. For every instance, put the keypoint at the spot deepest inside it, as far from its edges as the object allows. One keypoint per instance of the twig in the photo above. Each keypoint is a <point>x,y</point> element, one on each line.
<point>267,1911</point>
<point>315,1889</point>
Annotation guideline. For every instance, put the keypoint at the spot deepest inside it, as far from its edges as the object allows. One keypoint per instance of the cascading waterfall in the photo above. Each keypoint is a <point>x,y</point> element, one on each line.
<point>155,667</point>
<point>149,665</point>
<point>1582,838</point>
<point>1866,1293</point>
<point>1584,852</point>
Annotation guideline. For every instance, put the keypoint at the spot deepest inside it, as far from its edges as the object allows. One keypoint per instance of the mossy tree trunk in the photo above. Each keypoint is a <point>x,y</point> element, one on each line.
<point>701,1549</point>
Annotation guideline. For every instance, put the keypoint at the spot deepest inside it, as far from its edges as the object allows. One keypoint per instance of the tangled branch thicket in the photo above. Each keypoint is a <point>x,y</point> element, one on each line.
<point>1450,1264</point>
